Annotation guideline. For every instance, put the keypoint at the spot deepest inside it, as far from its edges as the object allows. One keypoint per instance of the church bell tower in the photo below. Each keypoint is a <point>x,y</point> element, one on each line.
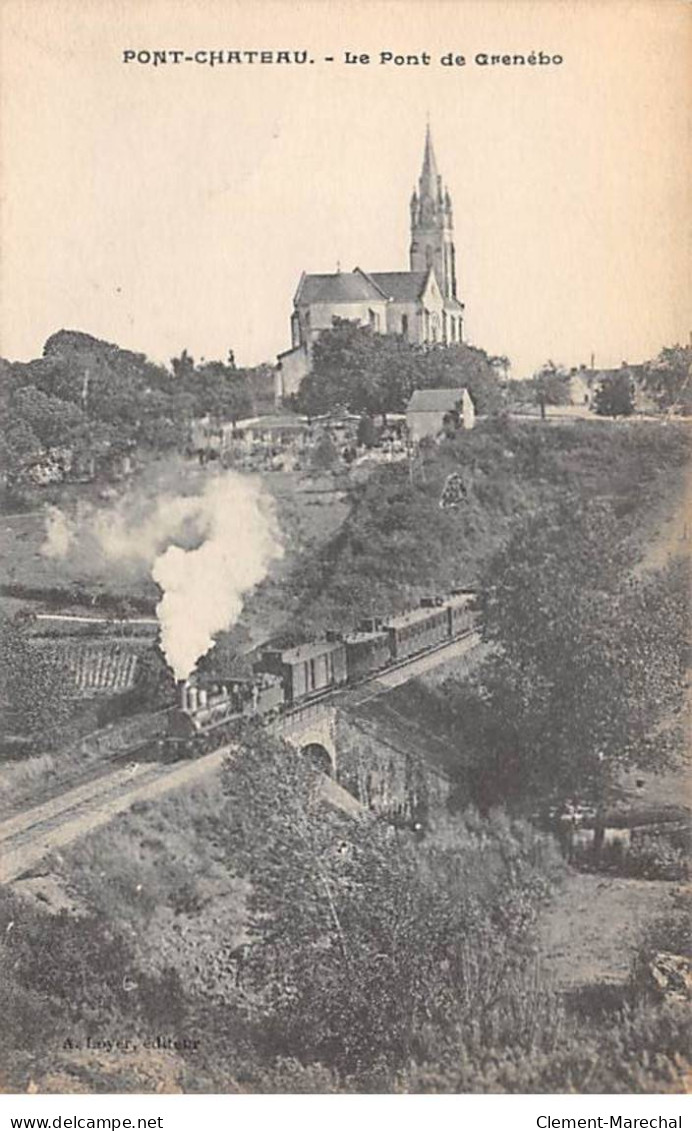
<point>432,225</point>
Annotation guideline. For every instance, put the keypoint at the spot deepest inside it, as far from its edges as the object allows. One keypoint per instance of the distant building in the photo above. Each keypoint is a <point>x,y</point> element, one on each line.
<point>266,431</point>
<point>584,383</point>
<point>429,410</point>
<point>581,386</point>
<point>206,435</point>
<point>256,435</point>
<point>420,304</point>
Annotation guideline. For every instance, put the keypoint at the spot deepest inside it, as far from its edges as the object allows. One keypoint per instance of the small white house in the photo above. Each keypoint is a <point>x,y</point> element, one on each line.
<point>429,409</point>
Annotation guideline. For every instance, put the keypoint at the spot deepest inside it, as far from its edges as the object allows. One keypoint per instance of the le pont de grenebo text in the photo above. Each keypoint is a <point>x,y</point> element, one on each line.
<point>148,57</point>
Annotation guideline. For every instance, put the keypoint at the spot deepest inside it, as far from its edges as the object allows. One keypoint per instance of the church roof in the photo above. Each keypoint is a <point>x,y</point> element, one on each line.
<point>435,400</point>
<point>401,286</point>
<point>343,286</point>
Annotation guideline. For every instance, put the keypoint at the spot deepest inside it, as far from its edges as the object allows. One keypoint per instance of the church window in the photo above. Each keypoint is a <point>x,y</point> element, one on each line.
<point>404,324</point>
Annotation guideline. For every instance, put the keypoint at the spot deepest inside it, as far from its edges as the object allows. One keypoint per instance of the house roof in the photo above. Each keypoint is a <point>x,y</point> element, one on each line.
<point>435,400</point>
<point>401,286</point>
<point>344,286</point>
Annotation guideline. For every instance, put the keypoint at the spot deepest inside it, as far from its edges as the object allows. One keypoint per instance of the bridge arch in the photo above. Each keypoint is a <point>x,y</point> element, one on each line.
<point>320,757</point>
<point>312,730</point>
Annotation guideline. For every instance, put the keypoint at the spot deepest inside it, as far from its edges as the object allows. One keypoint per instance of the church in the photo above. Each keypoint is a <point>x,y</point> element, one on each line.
<point>420,304</point>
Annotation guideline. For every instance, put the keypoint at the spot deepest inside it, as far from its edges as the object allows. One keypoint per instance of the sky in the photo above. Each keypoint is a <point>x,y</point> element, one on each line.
<point>174,206</point>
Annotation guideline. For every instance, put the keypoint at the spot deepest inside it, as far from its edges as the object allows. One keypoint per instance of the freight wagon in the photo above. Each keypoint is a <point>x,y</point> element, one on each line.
<point>367,651</point>
<point>307,669</point>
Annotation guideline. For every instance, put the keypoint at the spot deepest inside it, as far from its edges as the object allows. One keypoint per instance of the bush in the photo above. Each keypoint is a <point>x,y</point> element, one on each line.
<point>658,855</point>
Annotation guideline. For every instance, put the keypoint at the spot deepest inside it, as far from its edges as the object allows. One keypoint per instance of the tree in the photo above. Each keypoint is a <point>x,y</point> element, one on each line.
<point>155,686</point>
<point>463,366</point>
<point>367,433</point>
<point>220,391</point>
<point>587,674</point>
<point>54,421</point>
<point>164,420</point>
<point>356,369</point>
<point>550,386</point>
<point>366,943</point>
<point>374,374</point>
<point>183,366</point>
<point>669,378</point>
<point>615,395</point>
<point>325,455</point>
<point>20,447</point>
<point>32,685</point>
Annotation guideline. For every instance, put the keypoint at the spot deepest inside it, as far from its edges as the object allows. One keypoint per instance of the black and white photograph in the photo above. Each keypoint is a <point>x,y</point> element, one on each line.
<point>346,392</point>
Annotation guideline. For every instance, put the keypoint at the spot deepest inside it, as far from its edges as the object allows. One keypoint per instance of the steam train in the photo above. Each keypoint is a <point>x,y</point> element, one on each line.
<point>210,713</point>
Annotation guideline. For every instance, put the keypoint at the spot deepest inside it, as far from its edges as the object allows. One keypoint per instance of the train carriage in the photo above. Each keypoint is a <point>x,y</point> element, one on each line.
<point>367,651</point>
<point>461,611</point>
<point>307,669</point>
<point>209,714</point>
<point>416,631</point>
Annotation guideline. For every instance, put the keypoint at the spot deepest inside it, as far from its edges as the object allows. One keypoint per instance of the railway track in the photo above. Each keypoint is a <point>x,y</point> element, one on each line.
<point>96,768</point>
<point>28,836</point>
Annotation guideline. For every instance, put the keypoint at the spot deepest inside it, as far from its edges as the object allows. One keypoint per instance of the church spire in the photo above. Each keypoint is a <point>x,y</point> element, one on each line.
<point>429,176</point>
<point>432,226</point>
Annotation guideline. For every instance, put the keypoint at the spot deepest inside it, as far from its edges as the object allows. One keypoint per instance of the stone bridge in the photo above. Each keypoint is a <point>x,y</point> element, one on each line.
<point>312,730</point>
<point>388,774</point>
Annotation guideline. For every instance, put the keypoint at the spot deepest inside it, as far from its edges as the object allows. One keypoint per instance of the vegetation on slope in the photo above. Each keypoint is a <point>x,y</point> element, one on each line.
<point>288,947</point>
<point>399,543</point>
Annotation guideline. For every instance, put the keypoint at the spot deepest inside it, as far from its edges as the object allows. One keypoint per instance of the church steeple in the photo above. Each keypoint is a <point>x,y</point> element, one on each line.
<point>429,175</point>
<point>432,225</point>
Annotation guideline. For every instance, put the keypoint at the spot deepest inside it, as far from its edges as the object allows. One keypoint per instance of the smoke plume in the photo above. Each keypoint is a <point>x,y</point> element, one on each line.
<point>59,534</point>
<point>206,540</point>
<point>203,587</point>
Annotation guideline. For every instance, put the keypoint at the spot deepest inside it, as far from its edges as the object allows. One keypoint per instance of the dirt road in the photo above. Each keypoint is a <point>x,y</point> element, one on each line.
<point>592,929</point>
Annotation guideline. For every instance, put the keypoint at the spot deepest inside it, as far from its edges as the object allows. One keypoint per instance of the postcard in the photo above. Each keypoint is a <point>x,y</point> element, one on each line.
<point>346,378</point>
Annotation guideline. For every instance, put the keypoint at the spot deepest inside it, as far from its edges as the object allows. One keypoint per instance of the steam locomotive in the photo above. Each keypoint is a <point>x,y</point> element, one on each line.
<point>286,678</point>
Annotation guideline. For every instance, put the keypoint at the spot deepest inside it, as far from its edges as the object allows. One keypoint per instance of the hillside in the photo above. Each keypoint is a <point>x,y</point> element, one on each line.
<point>398,542</point>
